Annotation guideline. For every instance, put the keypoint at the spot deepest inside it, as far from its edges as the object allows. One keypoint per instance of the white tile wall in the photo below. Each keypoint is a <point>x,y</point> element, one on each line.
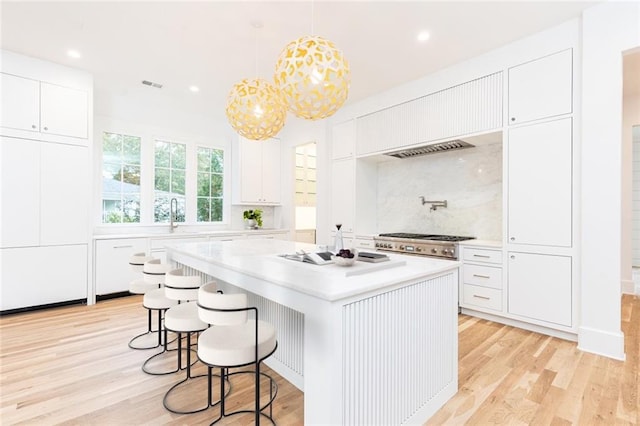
<point>469,179</point>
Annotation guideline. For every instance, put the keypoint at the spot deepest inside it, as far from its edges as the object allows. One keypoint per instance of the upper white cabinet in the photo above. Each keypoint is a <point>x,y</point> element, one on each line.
<point>43,107</point>
<point>20,103</point>
<point>471,107</point>
<point>49,205</point>
<point>259,174</point>
<point>541,88</point>
<point>343,140</point>
<point>540,184</point>
<point>343,194</point>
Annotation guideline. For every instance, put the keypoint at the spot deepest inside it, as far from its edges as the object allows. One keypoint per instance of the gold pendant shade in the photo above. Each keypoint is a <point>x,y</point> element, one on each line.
<point>313,76</point>
<point>256,109</point>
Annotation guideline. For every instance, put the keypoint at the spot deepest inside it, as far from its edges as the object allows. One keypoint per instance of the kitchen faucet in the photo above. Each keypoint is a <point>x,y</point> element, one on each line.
<point>173,212</point>
<point>434,204</point>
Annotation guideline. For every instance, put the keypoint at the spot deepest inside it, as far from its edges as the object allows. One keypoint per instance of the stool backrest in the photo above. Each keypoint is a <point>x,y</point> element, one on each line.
<point>154,271</point>
<point>137,261</point>
<point>178,286</point>
<point>209,300</point>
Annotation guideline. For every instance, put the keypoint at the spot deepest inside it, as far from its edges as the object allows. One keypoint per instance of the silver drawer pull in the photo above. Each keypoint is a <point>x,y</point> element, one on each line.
<point>481,276</point>
<point>481,297</point>
<point>115,247</point>
<point>481,255</point>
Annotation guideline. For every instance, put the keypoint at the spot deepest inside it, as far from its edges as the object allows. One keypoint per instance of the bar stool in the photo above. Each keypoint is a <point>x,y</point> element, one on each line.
<point>141,286</point>
<point>183,318</point>
<point>235,341</point>
<point>155,300</point>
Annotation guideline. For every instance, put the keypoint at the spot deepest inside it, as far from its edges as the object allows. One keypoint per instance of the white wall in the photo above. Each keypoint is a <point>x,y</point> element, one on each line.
<point>469,179</point>
<point>635,235</point>
<point>607,30</point>
<point>630,118</point>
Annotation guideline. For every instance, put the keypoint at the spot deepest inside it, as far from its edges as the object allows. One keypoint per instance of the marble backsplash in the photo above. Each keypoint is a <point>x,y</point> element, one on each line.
<point>470,180</point>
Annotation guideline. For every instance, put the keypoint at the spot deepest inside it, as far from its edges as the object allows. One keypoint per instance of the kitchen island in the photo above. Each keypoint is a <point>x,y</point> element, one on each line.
<point>374,343</point>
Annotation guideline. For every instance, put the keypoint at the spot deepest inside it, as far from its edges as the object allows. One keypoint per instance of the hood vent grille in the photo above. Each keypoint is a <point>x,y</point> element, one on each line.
<point>431,149</point>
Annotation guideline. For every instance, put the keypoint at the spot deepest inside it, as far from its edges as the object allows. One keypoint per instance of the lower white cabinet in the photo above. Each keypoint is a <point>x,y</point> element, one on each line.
<point>112,271</point>
<point>159,251</point>
<point>540,287</point>
<point>481,280</point>
<point>34,276</point>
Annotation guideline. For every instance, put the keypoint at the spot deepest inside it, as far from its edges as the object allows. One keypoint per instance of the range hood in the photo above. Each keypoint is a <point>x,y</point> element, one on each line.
<point>431,149</point>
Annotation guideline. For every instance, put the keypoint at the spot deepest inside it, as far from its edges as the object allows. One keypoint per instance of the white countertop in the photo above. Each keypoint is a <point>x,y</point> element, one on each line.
<point>190,234</point>
<point>259,258</point>
<point>481,243</point>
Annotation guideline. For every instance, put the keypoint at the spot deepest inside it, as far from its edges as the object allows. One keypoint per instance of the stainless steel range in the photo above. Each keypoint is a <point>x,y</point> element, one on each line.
<point>445,246</point>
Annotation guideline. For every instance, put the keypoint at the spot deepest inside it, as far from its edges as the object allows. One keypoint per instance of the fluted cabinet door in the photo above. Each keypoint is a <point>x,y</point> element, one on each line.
<point>471,107</point>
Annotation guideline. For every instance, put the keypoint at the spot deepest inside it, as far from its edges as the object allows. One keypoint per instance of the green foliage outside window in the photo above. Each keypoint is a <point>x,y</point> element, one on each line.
<point>120,178</point>
<point>210,184</point>
<point>170,174</point>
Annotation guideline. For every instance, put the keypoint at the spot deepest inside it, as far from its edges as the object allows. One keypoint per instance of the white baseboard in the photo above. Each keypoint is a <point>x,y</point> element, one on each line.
<point>629,287</point>
<point>601,342</point>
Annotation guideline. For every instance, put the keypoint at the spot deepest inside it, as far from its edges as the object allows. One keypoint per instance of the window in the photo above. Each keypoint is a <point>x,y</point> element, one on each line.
<point>120,178</point>
<point>170,171</point>
<point>210,179</point>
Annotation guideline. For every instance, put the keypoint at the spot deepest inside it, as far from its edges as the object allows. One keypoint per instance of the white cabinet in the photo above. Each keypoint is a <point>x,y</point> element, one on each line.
<point>259,172</point>
<point>343,194</point>
<point>64,194</point>
<point>471,107</point>
<point>34,276</point>
<point>20,203</point>
<point>49,205</point>
<point>540,184</point>
<point>541,88</point>
<point>20,103</point>
<point>63,111</point>
<point>481,281</point>
<point>343,140</point>
<point>540,287</point>
<point>112,270</point>
<point>43,107</point>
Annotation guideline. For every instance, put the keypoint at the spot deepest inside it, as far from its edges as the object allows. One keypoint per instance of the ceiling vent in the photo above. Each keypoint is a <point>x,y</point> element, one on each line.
<point>430,149</point>
<point>152,84</point>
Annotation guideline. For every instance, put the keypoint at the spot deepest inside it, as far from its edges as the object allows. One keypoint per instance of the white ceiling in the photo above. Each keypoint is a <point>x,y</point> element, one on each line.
<point>212,44</point>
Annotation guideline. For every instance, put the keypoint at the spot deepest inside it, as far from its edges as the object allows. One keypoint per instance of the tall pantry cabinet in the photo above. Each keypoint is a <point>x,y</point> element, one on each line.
<point>540,199</point>
<point>45,182</point>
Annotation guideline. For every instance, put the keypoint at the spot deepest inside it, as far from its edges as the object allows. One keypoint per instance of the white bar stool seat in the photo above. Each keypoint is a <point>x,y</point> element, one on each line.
<point>233,341</point>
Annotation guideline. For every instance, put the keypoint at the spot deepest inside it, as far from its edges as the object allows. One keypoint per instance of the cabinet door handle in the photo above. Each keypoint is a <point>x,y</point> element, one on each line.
<point>481,297</point>
<point>512,238</point>
<point>482,255</point>
<point>481,276</point>
<point>513,119</point>
<point>118,247</point>
<point>33,126</point>
<point>512,256</point>
<point>46,128</point>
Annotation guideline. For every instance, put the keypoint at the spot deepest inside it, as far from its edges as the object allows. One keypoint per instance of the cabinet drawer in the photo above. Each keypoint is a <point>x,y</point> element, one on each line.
<point>482,255</point>
<point>482,297</point>
<point>484,276</point>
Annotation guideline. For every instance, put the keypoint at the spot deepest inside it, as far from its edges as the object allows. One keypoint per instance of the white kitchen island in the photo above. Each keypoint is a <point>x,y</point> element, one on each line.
<point>374,343</point>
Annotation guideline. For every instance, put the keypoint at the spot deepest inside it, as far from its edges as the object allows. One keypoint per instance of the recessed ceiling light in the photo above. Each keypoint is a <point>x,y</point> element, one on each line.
<point>194,88</point>
<point>72,53</point>
<point>423,36</point>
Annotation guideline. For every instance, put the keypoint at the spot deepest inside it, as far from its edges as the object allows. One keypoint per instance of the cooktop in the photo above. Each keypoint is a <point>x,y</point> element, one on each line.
<point>432,237</point>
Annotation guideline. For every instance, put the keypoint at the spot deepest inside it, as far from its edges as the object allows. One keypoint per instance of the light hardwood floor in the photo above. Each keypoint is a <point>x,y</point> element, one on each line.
<point>72,365</point>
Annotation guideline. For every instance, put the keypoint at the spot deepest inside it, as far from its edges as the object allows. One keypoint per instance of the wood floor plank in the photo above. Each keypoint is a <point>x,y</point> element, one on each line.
<point>72,366</point>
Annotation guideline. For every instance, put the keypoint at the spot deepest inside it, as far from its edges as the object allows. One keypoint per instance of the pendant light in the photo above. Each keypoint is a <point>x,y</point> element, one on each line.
<point>314,76</point>
<point>255,108</point>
